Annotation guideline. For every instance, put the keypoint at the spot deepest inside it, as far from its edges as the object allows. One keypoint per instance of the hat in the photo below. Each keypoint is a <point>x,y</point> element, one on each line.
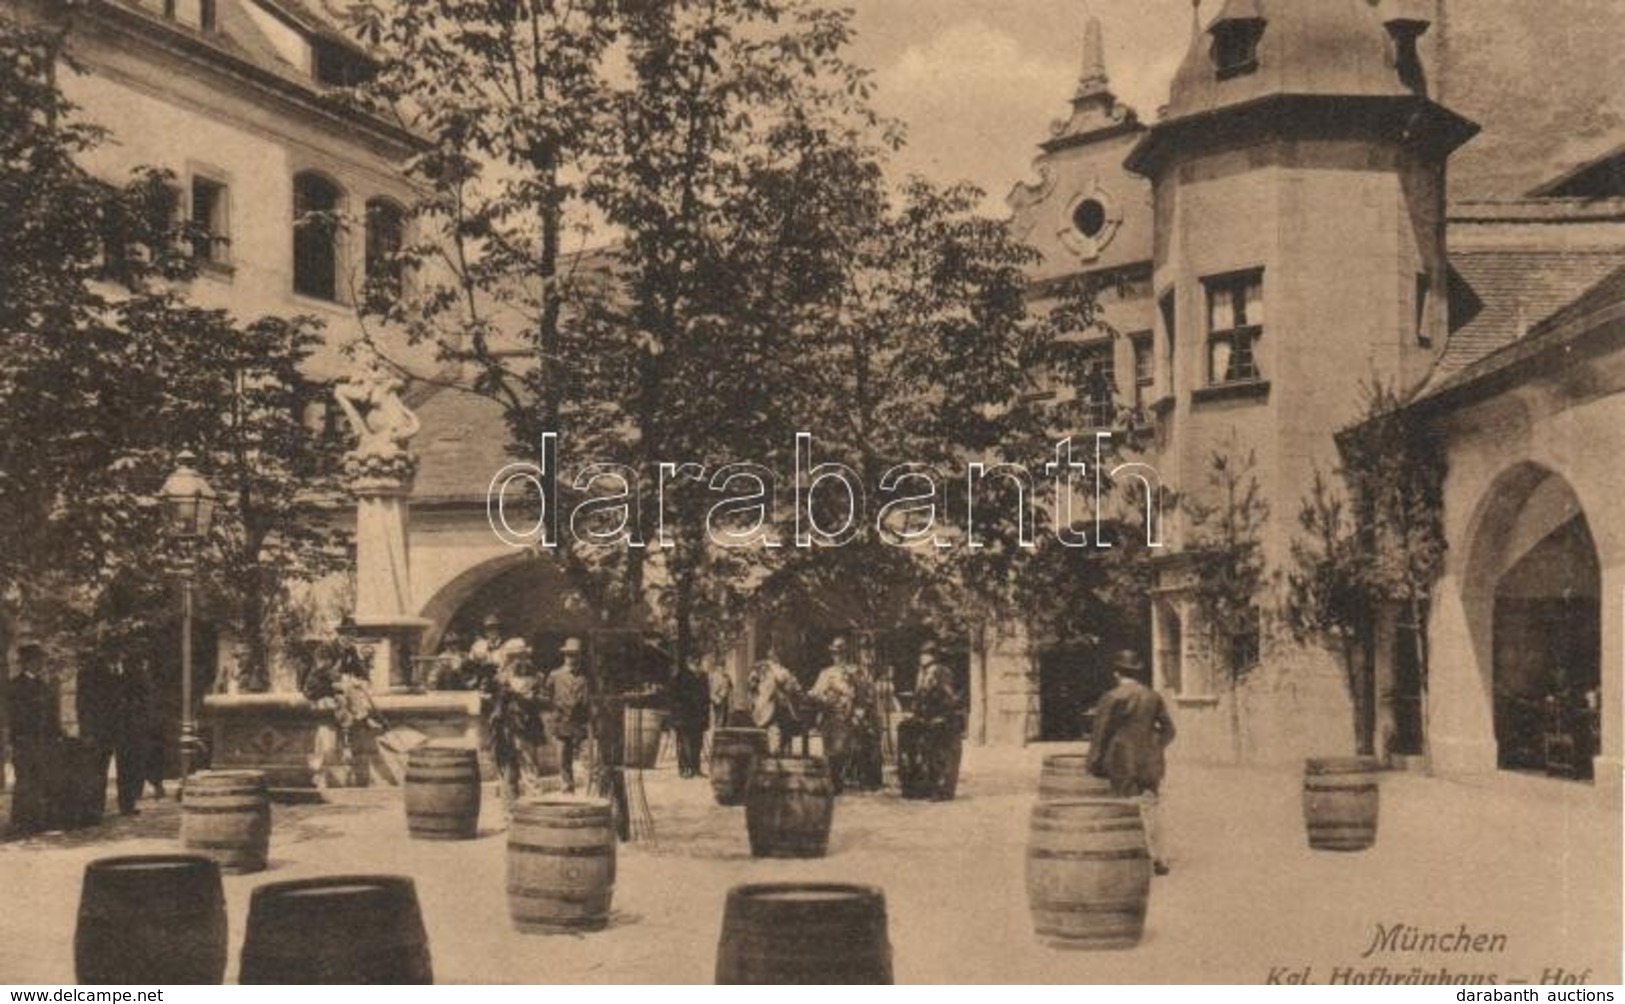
<point>28,643</point>
<point>838,642</point>
<point>929,650</point>
<point>491,621</point>
<point>1127,661</point>
<point>346,625</point>
<point>570,645</point>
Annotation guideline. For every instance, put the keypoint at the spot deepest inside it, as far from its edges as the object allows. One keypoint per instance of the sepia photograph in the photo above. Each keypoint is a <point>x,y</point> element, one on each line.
<point>648,492</point>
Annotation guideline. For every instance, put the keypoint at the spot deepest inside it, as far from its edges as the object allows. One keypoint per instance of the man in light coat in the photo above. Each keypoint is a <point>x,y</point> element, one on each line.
<point>1131,730</point>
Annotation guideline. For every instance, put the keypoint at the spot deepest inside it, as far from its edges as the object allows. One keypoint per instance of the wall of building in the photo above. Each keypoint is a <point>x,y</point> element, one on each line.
<point>192,116</point>
<point>1495,448</point>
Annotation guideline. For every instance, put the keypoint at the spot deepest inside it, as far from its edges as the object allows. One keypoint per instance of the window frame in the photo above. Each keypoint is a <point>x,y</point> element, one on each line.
<point>335,242</point>
<point>377,291</point>
<point>1235,46</point>
<point>1238,336</point>
<point>211,241</point>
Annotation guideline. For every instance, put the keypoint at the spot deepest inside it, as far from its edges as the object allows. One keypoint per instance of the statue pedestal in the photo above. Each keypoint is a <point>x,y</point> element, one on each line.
<point>394,642</point>
<point>297,744</point>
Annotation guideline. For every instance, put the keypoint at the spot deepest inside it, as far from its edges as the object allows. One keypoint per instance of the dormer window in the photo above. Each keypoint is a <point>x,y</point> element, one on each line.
<point>1235,45</point>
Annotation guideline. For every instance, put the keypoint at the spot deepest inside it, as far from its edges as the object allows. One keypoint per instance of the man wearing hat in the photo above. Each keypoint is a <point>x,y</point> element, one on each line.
<point>34,726</point>
<point>841,697</point>
<point>567,704</point>
<point>936,709</point>
<point>1131,730</point>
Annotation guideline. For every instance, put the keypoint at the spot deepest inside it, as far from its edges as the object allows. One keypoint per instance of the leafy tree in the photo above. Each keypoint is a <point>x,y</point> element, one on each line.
<point>1374,547</point>
<point>107,373</point>
<point>1228,571</point>
<point>706,143</point>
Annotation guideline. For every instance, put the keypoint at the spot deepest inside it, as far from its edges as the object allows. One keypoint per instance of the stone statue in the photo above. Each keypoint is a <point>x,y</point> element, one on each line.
<point>372,400</point>
<point>383,425</point>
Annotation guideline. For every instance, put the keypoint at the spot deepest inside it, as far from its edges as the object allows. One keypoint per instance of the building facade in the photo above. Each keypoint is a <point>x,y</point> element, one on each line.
<point>1291,225</point>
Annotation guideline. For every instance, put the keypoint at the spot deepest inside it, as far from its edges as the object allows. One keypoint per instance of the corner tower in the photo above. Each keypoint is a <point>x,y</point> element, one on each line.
<point>1298,180</point>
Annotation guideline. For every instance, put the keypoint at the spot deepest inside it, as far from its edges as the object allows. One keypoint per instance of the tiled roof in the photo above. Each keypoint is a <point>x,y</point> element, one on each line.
<point>1600,305</point>
<point>463,444</point>
<point>1517,289</point>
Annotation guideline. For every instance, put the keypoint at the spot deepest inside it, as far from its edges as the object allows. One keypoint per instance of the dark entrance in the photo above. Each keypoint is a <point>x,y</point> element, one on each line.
<point>1547,661</point>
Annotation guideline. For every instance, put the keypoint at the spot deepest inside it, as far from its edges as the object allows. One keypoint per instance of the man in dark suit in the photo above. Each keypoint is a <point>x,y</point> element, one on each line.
<point>690,715</point>
<point>34,727</point>
<point>1131,730</point>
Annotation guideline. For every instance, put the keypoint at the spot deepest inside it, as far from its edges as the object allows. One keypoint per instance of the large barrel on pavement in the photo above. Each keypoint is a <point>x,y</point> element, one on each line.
<point>442,793</point>
<point>1340,801</point>
<point>226,814</point>
<point>338,929</point>
<point>789,807</point>
<point>804,932</point>
<point>155,918</point>
<point>1088,874</point>
<point>561,864</point>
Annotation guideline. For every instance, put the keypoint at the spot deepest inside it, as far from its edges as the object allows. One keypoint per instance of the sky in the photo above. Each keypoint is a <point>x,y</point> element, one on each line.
<point>979,81</point>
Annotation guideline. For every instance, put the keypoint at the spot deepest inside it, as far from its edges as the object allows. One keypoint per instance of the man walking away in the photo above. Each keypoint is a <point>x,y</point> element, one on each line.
<point>1131,730</point>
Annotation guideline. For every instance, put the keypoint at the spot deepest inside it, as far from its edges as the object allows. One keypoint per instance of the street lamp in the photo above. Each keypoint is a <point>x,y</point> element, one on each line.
<point>189,503</point>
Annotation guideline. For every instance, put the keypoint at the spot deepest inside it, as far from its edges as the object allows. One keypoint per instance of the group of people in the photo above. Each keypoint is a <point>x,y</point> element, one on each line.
<point>533,714</point>
<point>851,711</point>
<point>119,725</point>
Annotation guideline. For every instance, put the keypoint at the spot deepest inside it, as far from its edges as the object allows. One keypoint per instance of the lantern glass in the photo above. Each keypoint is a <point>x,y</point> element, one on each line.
<point>189,500</point>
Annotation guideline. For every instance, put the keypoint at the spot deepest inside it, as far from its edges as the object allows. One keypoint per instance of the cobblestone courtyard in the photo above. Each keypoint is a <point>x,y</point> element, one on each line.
<point>1247,901</point>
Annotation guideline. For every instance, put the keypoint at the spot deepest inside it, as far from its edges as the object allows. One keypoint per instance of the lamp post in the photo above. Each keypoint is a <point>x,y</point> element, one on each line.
<point>189,503</point>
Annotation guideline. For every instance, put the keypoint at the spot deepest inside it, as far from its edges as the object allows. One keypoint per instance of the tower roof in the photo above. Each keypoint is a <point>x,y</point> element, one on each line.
<point>1299,47</point>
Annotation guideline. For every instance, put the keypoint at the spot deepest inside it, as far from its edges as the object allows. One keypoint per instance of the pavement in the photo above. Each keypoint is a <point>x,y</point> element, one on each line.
<point>1534,865</point>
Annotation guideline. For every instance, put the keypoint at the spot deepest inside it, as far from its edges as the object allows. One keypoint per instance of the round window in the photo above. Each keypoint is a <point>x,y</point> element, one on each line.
<point>1089,218</point>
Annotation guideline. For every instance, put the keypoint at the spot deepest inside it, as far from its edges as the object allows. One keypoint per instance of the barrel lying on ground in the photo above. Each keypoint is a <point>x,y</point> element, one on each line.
<point>789,807</point>
<point>561,864</point>
<point>158,918</point>
<point>226,815</point>
<point>442,793</point>
<point>734,754</point>
<point>1066,777</point>
<point>1088,874</point>
<point>1340,802</point>
<point>338,929</point>
<point>814,932</point>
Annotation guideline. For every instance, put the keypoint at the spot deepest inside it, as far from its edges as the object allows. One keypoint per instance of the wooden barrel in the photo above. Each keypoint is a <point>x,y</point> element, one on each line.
<point>158,918</point>
<point>1088,874</point>
<point>807,932</point>
<point>442,793</point>
<point>561,864</point>
<point>734,753</point>
<point>226,815</point>
<point>789,806</point>
<point>1065,777</point>
<point>642,737</point>
<point>1340,799</point>
<point>337,929</point>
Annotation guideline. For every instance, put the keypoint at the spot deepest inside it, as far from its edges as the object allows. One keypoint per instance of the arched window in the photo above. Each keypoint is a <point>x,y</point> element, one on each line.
<point>386,228</point>
<point>315,236</point>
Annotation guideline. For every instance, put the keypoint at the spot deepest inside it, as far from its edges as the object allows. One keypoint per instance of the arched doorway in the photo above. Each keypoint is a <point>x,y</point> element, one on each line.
<point>1539,576</point>
<point>526,592</point>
